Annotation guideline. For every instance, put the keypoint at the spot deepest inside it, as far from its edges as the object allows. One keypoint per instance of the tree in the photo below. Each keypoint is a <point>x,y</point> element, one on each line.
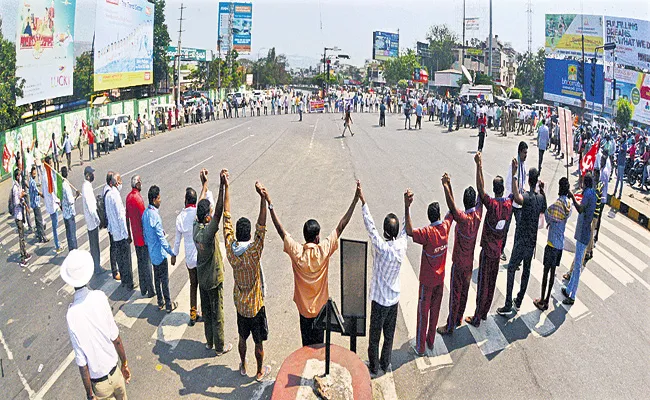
<point>623,112</point>
<point>161,41</point>
<point>479,79</point>
<point>83,76</point>
<point>400,67</point>
<point>514,93</point>
<point>530,76</point>
<point>320,79</point>
<point>442,42</point>
<point>271,70</point>
<point>10,86</point>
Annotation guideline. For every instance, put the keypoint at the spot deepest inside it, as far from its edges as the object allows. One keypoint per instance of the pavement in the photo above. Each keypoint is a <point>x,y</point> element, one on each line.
<point>598,348</point>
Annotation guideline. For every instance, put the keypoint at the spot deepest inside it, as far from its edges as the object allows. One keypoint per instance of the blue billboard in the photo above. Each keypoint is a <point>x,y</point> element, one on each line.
<point>561,83</point>
<point>235,25</point>
<point>385,45</point>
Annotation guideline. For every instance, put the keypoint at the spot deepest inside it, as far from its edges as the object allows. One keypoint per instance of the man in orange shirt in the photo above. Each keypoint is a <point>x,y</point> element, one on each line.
<point>310,263</point>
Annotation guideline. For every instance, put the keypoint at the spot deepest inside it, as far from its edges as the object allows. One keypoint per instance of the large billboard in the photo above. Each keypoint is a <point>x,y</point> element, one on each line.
<point>187,53</point>
<point>123,44</point>
<point>45,49</point>
<point>632,38</point>
<point>561,83</point>
<point>385,45</point>
<point>564,33</point>
<point>235,19</point>
<point>635,87</point>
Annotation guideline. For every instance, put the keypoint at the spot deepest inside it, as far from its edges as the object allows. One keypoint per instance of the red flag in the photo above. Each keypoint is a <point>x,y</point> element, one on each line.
<point>6,156</point>
<point>50,181</point>
<point>589,159</point>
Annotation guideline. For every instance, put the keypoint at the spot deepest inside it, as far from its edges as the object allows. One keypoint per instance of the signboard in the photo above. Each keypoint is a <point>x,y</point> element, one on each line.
<point>317,106</point>
<point>472,24</point>
<point>249,79</point>
<point>475,52</point>
<point>635,87</point>
<point>235,23</point>
<point>423,49</point>
<point>564,33</point>
<point>354,260</point>
<point>565,122</point>
<point>385,45</point>
<point>45,49</point>
<point>561,83</point>
<point>187,54</point>
<point>123,44</point>
<point>632,38</point>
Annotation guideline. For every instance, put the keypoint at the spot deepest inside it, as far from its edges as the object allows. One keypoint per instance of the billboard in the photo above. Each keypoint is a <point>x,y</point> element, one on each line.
<point>187,53</point>
<point>561,83</point>
<point>423,49</point>
<point>564,33</point>
<point>635,87</point>
<point>123,44</point>
<point>45,49</point>
<point>472,24</point>
<point>235,18</point>
<point>632,38</point>
<point>385,45</point>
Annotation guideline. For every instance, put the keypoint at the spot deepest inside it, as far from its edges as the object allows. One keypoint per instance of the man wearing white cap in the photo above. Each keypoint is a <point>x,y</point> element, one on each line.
<point>93,332</point>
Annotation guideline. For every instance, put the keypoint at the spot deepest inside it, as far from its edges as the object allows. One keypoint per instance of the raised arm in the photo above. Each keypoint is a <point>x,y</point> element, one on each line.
<point>218,210</point>
<point>449,195</point>
<point>274,217</point>
<point>408,200</point>
<point>516,196</point>
<point>261,218</point>
<point>480,183</point>
<point>203,175</point>
<point>348,215</point>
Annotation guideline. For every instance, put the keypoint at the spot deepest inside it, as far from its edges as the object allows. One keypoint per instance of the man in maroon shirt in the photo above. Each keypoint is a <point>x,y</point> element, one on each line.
<point>498,212</point>
<point>433,239</point>
<point>467,224</point>
<point>134,210</point>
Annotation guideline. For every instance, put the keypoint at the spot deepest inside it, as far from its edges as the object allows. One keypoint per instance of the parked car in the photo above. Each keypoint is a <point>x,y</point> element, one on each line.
<point>111,123</point>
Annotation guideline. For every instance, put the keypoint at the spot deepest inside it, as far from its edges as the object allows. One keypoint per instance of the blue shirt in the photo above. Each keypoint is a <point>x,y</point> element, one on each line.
<point>154,236</point>
<point>418,110</point>
<point>583,228</point>
<point>622,156</point>
<point>34,198</point>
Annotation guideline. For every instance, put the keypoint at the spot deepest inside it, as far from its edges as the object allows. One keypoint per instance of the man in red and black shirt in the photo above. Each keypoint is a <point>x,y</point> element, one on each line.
<point>134,210</point>
<point>434,239</point>
<point>467,225</point>
<point>498,213</point>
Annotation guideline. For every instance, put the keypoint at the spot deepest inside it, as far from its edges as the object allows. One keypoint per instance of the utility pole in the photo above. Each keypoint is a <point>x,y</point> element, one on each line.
<point>462,48</point>
<point>219,67</point>
<point>530,24</point>
<point>229,54</point>
<point>490,50</point>
<point>178,59</point>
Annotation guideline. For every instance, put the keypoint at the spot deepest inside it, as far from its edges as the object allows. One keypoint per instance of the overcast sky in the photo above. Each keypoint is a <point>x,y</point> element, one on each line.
<point>293,27</point>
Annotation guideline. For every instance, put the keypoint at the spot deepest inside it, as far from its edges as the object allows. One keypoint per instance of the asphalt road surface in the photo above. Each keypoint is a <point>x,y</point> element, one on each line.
<point>599,348</point>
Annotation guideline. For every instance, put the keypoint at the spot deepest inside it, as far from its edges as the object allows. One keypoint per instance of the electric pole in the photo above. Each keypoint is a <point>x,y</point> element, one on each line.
<point>462,48</point>
<point>530,25</point>
<point>178,59</point>
<point>490,50</point>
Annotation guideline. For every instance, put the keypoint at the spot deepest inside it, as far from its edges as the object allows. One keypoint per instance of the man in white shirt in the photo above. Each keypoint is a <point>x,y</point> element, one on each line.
<point>89,203</point>
<point>522,172</point>
<point>67,148</point>
<point>69,212</point>
<point>93,332</point>
<point>388,252</point>
<point>116,219</point>
<point>51,203</point>
<point>184,231</point>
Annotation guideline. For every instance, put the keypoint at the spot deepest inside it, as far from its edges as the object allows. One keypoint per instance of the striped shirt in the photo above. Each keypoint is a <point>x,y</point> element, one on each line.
<point>247,290</point>
<point>386,263</point>
<point>557,216</point>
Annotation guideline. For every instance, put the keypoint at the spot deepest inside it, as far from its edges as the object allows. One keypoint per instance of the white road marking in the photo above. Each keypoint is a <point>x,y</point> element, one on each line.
<point>247,137</point>
<point>385,384</point>
<point>173,325</point>
<point>634,242</point>
<point>191,168</point>
<point>311,142</point>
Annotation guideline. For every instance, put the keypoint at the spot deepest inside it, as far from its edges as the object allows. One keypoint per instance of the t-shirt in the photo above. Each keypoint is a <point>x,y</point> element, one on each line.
<point>498,213</point>
<point>434,239</point>
<point>583,227</point>
<point>467,224</point>
<point>526,233</point>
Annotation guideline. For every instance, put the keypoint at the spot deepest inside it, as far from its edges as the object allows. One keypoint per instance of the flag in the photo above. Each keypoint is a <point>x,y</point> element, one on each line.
<point>6,156</point>
<point>589,159</point>
<point>54,182</point>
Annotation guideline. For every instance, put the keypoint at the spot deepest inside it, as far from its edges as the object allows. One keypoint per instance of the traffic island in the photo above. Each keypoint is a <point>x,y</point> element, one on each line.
<point>302,376</point>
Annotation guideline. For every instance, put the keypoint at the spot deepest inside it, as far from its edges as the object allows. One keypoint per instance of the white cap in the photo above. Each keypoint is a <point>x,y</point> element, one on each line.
<point>77,268</point>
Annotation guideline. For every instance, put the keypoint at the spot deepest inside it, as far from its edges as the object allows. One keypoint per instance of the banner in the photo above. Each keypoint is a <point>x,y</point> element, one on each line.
<point>564,33</point>
<point>317,106</point>
<point>561,83</point>
<point>235,23</point>
<point>635,87</point>
<point>471,24</point>
<point>45,49</point>
<point>385,45</point>
<point>123,44</point>
<point>187,54</point>
<point>565,122</point>
<point>632,38</point>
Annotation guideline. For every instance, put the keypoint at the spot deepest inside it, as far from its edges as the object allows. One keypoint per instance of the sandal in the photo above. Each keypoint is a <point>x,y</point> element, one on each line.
<point>265,373</point>
<point>566,277</point>
<point>172,307</point>
<point>470,321</point>
<point>225,350</point>
<point>242,369</point>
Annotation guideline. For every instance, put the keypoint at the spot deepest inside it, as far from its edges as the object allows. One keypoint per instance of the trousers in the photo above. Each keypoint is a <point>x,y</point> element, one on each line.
<point>55,224</point>
<point>93,241</point>
<point>112,388</point>
<point>21,238</point>
<point>572,286</point>
<point>38,221</point>
<point>382,319</point>
<point>123,261</point>
<point>488,269</point>
<point>161,281</point>
<point>71,232</point>
<point>519,253</point>
<point>309,334</point>
<point>428,311</point>
<point>459,286</point>
<point>212,309</point>
<point>144,270</point>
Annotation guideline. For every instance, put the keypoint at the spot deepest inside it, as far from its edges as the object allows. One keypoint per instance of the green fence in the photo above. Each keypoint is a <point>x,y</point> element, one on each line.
<point>42,130</point>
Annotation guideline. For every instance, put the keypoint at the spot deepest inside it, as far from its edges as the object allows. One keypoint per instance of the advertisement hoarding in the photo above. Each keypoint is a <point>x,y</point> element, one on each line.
<point>561,83</point>
<point>123,44</point>
<point>632,38</point>
<point>45,49</point>
<point>422,49</point>
<point>564,33</point>
<point>187,54</point>
<point>472,24</point>
<point>385,45</point>
<point>635,87</point>
<point>235,22</point>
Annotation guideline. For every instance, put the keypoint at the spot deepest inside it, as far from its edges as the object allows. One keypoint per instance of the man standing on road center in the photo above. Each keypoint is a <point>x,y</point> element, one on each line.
<point>89,203</point>
<point>134,210</point>
<point>116,218</point>
<point>522,176</point>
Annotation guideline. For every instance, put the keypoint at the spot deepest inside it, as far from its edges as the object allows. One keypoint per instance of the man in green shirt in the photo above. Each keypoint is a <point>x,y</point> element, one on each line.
<point>209,268</point>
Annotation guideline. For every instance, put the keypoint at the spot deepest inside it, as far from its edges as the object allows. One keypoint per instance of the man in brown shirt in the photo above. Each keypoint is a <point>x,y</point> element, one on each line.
<point>310,264</point>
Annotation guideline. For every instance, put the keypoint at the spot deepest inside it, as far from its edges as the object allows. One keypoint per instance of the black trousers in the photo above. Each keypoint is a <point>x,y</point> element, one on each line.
<point>519,253</point>
<point>382,319</point>
<point>481,141</point>
<point>541,158</point>
<point>516,212</point>
<point>310,335</point>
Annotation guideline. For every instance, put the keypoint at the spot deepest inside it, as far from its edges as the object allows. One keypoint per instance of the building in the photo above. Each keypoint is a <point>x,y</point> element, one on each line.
<point>477,59</point>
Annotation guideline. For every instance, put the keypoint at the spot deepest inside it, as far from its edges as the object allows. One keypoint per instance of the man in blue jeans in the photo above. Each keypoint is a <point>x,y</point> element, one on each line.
<point>621,159</point>
<point>51,203</point>
<point>154,238</point>
<point>582,236</point>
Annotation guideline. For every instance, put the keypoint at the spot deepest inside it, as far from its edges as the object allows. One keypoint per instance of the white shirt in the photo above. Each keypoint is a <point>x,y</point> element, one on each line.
<point>51,201</point>
<point>386,263</point>
<point>522,173</point>
<point>92,330</point>
<point>115,215</point>
<point>89,205</point>
<point>184,232</point>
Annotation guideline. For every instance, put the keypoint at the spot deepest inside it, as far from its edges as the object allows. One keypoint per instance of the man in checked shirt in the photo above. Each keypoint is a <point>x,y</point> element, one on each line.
<point>388,253</point>
<point>244,256</point>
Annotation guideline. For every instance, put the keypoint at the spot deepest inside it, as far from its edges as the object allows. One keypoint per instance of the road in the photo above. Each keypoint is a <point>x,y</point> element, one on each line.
<point>594,349</point>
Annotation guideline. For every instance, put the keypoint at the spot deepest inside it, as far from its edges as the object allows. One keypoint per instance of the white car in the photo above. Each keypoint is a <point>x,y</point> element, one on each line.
<point>601,122</point>
<point>108,125</point>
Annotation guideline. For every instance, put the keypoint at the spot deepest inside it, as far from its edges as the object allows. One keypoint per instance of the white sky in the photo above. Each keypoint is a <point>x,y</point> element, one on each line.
<point>293,26</point>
